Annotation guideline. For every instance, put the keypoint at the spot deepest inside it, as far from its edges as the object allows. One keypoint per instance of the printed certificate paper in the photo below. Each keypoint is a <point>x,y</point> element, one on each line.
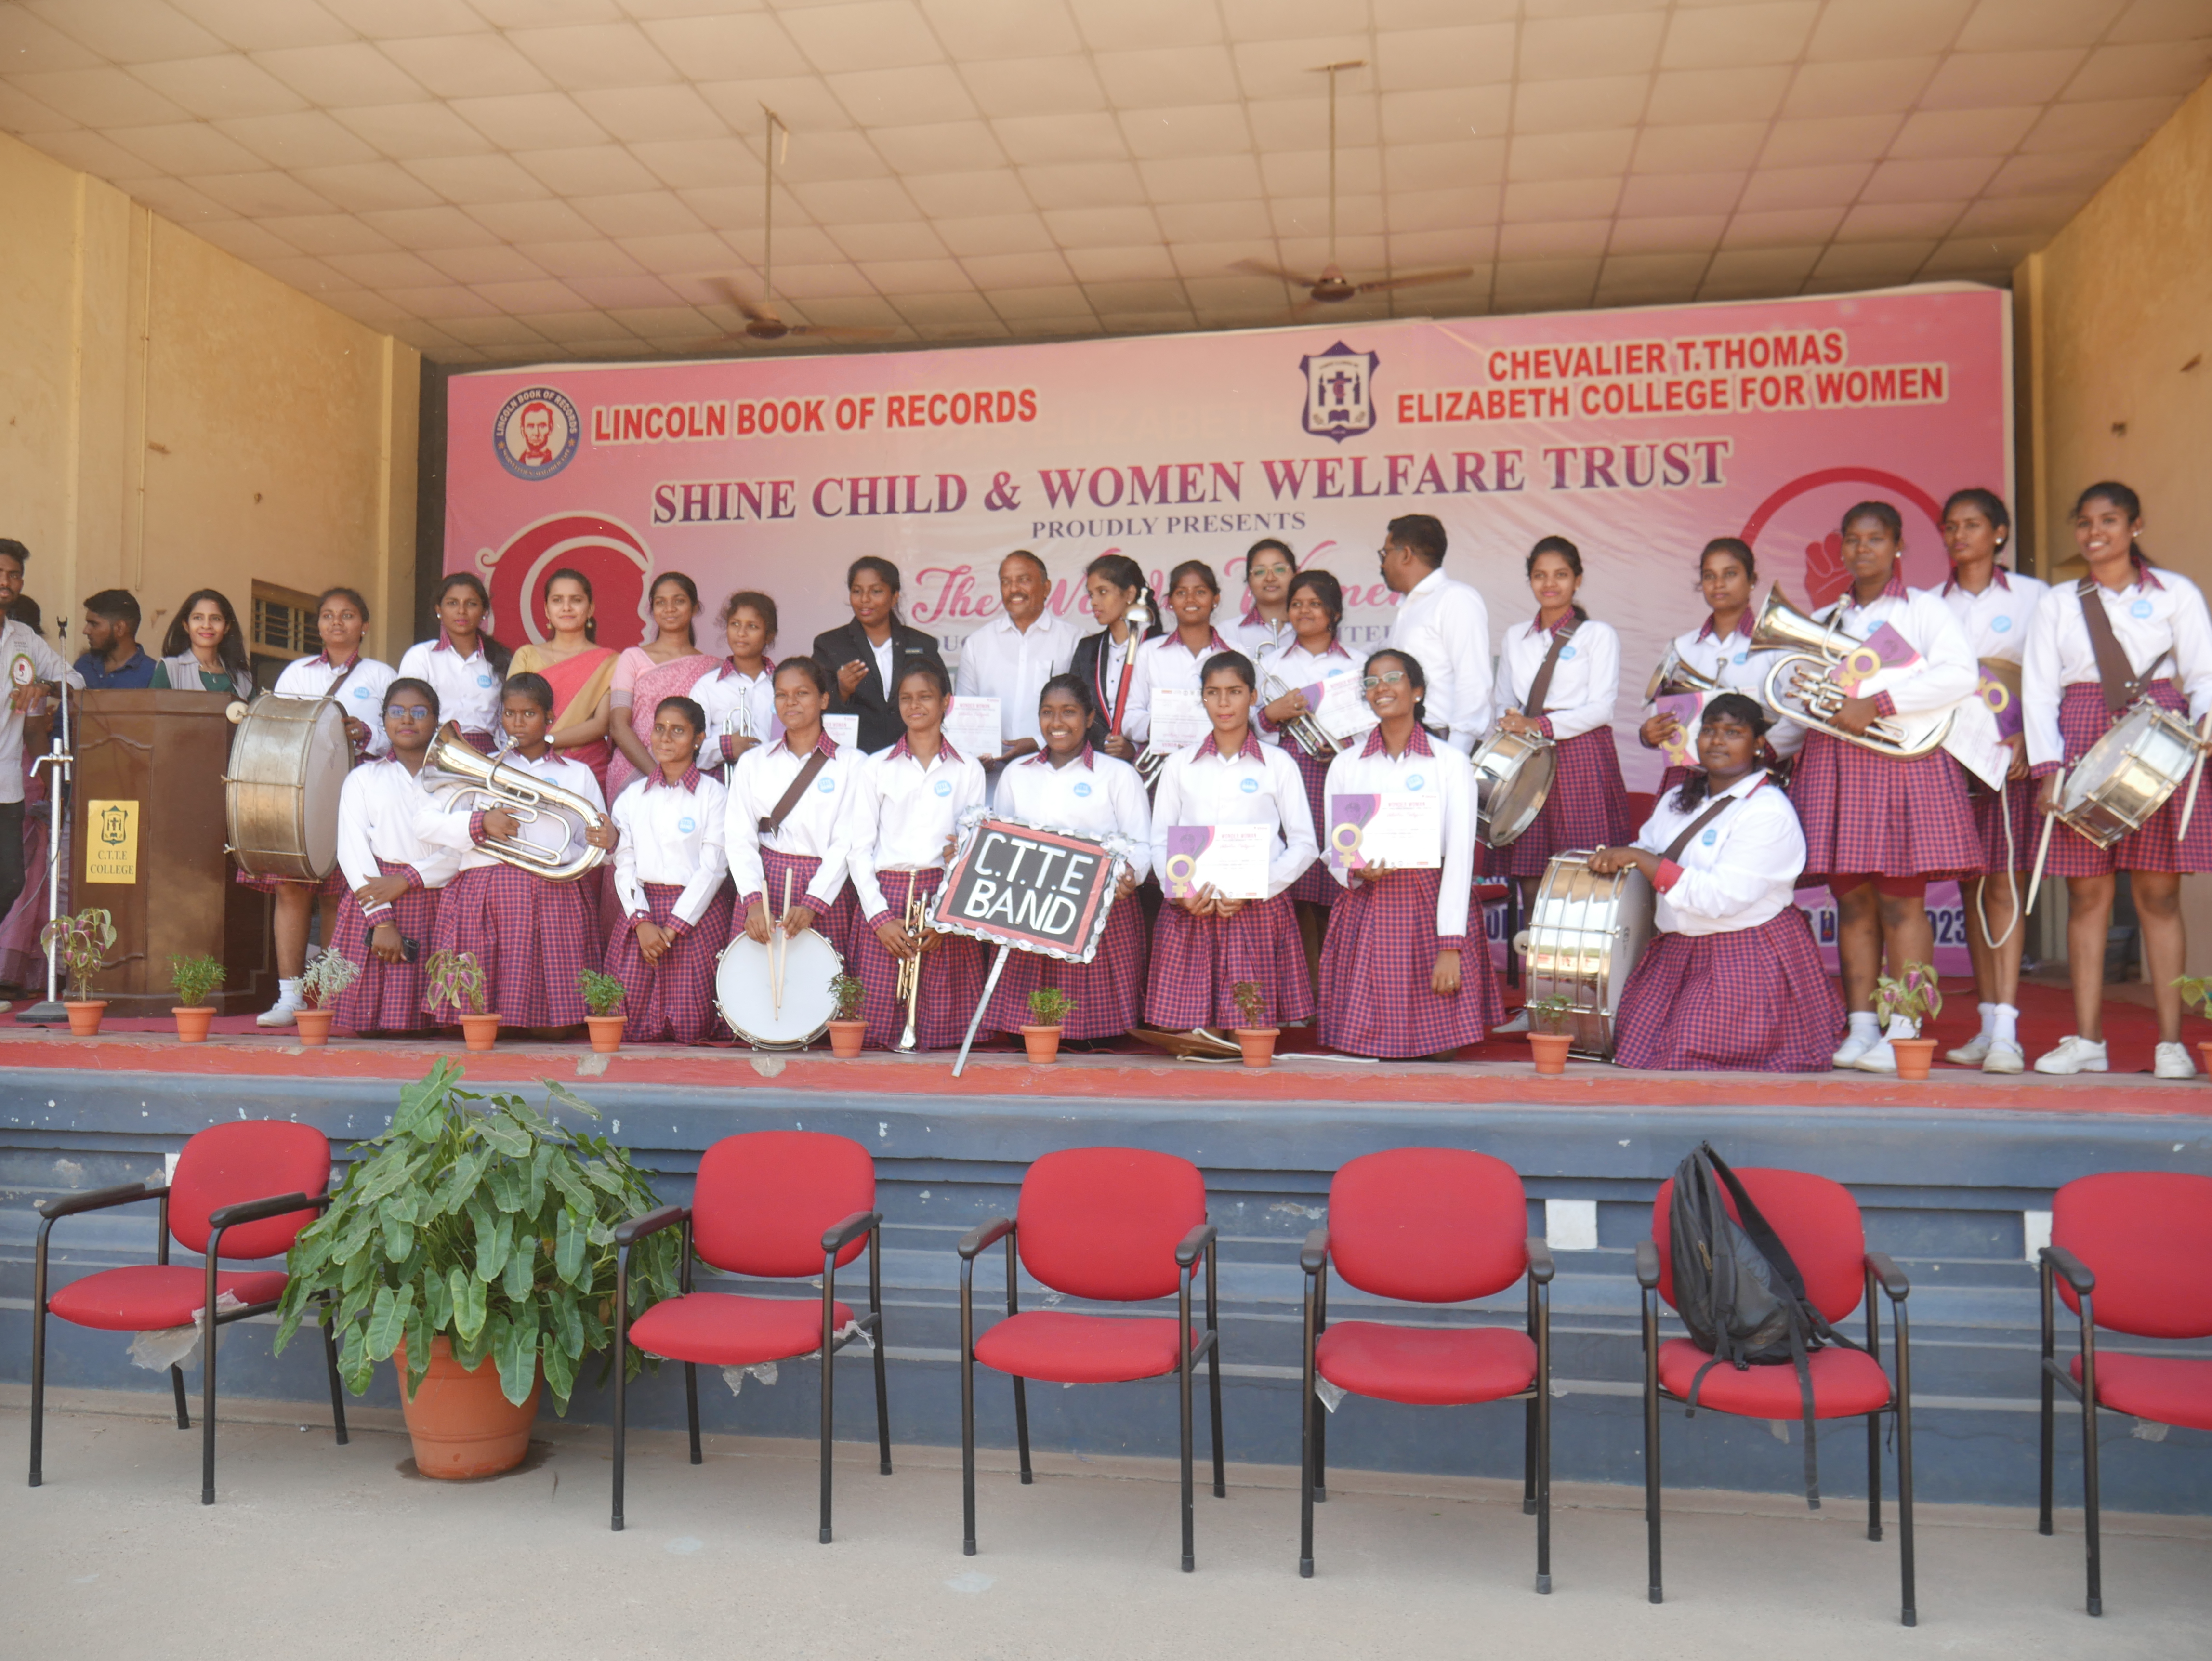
<point>971,727</point>
<point>1340,707</point>
<point>1229,859</point>
<point>1401,829</point>
<point>1178,718</point>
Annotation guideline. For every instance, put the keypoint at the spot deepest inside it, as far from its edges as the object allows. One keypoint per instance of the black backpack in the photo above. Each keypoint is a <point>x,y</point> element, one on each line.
<point>1738,1291</point>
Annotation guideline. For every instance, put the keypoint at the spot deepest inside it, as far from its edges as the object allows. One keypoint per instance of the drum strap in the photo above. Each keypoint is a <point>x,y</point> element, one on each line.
<point>781,811</point>
<point>2120,681</point>
<point>1673,853</point>
<point>1540,688</point>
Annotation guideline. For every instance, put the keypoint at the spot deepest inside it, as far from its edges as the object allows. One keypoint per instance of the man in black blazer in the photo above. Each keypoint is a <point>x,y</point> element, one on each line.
<point>853,660</point>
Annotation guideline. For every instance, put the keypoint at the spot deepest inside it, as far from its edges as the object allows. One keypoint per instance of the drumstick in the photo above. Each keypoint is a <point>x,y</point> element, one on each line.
<point>2043,848</point>
<point>2195,775</point>
<point>778,945</point>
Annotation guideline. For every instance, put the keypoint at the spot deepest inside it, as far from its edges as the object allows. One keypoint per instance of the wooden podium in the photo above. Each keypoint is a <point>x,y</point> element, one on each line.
<point>148,842</point>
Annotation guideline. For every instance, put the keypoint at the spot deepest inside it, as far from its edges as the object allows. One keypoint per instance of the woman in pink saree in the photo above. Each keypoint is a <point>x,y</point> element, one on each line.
<point>580,670</point>
<point>665,667</point>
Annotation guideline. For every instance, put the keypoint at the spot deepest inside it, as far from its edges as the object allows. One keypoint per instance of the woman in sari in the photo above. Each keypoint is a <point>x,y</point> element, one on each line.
<point>666,667</point>
<point>580,671</point>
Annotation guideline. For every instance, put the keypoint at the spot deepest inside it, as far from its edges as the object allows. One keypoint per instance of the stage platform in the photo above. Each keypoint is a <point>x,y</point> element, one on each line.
<point>1956,1176</point>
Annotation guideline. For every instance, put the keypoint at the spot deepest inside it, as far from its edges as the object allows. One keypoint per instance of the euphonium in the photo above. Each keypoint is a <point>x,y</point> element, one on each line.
<point>1799,686</point>
<point>452,768</point>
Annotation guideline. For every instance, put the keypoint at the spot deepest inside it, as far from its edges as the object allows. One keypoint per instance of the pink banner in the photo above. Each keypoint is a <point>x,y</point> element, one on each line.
<point>1638,435</point>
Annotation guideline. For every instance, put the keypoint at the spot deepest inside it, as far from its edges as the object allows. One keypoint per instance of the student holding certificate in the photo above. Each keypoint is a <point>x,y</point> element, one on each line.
<point>1312,659</point>
<point>1397,979</point>
<point>1172,662</point>
<point>1227,916</point>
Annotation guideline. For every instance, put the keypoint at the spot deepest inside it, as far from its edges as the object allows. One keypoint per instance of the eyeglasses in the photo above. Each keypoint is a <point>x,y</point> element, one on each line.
<point>1387,677</point>
<point>408,711</point>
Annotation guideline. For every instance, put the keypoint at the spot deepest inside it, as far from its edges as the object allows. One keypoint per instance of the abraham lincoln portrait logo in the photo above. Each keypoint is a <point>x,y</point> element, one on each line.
<point>536,433</point>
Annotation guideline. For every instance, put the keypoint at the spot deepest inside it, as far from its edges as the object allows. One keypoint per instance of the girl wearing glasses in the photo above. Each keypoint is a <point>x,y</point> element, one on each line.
<point>1265,628</point>
<point>1205,942</point>
<point>1397,977</point>
<point>671,879</point>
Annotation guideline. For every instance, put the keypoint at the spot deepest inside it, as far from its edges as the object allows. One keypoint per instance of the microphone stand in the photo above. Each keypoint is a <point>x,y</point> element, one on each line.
<point>59,758</point>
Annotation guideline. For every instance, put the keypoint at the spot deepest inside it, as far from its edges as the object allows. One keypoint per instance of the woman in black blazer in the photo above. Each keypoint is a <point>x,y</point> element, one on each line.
<point>854,654</point>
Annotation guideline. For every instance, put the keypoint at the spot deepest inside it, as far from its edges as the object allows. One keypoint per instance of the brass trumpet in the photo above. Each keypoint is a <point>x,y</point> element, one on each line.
<point>1674,674</point>
<point>908,990</point>
<point>1305,731</point>
<point>1799,686</point>
<point>453,770</point>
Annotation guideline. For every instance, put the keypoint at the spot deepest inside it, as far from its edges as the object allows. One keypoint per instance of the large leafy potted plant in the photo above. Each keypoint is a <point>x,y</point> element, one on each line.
<point>473,1245</point>
<point>81,943</point>
<point>196,980</point>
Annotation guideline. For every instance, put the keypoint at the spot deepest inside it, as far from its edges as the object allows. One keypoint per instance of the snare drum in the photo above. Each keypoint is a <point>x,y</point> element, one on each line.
<point>1512,779</point>
<point>1585,934</point>
<point>288,761</point>
<point>2126,776</point>
<point>744,994</point>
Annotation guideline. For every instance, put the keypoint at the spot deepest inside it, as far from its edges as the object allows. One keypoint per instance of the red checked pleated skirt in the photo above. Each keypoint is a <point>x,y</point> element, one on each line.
<point>1198,961</point>
<point>1869,815</point>
<point>672,1000</point>
<point>1315,886</point>
<point>1751,1001</point>
<point>1374,970</point>
<point>2081,723</point>
<point>952,976</point>
<point>386,997</point>
<point>1588,808</point>
<point>533,937</point>
<point>1109,990</point>
<point>2011,811</point>
<point>837,925</point>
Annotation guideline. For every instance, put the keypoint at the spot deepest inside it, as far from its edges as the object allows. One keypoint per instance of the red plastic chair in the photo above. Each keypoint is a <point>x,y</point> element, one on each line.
<point>1819,1222</point>
<point>2132,1251</point>
<point>242,1192</point>
<point>1430,1226</point>
<point>772,1204</point>
<point>1116,1225</point>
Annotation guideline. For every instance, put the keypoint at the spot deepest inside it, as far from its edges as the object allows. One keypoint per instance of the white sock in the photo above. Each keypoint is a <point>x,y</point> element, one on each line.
<point>2007,1027</point>
<point>1863,1025</point>
<point>1901,1028</point>
<point>288,995</point>
<point>1989,1019</point>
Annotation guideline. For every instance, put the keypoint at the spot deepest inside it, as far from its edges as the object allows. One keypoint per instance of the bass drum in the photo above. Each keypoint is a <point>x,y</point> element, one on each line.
<point>1512,781</point>
<point>2126,776</point>
<point>1585,934</point>
<point>743,991</point>
<point>288,761</point>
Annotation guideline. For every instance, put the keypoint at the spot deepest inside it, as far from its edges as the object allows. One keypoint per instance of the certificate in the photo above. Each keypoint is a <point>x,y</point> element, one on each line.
<point>843,731</point>
<point>1403,829</point>
<point>1229,859</point>
<point>1178,718</point>
<point>971,727</point>
<point>1340,706</point>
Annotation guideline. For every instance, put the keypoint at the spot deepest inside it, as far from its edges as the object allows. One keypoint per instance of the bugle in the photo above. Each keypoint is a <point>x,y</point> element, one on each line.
<point>453,769</point>
<point>909,990</point>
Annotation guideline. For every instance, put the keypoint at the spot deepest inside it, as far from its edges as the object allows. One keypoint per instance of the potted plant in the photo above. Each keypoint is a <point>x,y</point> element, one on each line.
<point>1258,1040</point>
<point>1549,1037</point>
<point>2197,989</point>
<point>602,996</point>
<point>196,981</point>
<point>81,943</point>
<point>457,979</point>
<point>1918,998</point>
<point>847,1029</point>
<point>473,1245</point>
<point>325,977</point>
<point>1050,1007</point>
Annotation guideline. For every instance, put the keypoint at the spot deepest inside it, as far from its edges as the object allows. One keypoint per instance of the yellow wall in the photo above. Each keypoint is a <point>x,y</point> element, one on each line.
<point>176,419</point>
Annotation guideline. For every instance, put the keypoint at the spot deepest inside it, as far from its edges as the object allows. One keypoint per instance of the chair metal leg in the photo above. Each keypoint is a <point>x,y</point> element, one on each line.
<point>177,1388</point>
<point>968,1409</point>
<point>1308,1410</point>
<point>1874,1476</point>
<point>692,1409</point>
<point>330,1366</point>
<point>621,1378</point>
<point>1652,1444</point>
<point>883,1386</point>
<point>1543,1440</point>
<point>38,1361</point>
<point>1021,1388</point>
<point>1213,1383</point>
<point>828,1377</point>
<point>1189,1521</point>
<point>1529,1459</point>
<point>207,1402</point>
<point>1911,1616</point>
<point>2091,1532</point>
<point>2049,1405</point>
<point>1320,1420</point>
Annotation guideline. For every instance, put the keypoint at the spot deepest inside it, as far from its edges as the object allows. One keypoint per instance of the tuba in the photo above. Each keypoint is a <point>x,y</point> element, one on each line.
<point>455,769</point>
<point>1798,686</point>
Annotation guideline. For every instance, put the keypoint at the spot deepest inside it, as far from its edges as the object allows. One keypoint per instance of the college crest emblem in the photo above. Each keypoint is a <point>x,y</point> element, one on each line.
<point>535,433</point>
<point>1340,388</point>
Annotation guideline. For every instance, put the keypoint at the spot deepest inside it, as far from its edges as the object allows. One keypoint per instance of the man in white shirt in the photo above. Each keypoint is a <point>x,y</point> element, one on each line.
<point>1444,625</point>
<point>32,667</point>
<point>1011,657</point>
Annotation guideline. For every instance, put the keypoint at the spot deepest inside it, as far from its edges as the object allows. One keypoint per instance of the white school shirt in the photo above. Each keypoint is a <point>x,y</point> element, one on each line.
<point>1166,663</point>
<point>1369,769</point>
<point>1585,683</point>
<point>446,827</point>
<point>1729,659</point>
<point>1739,872</point>
<point>736,706</point>
<point>1995,621</point>
<point>2161,612</point>
<point>822,825</point>
<point>1000,661</point>
<point>1256,786</point>
<point>19,639</point>
<point>906,811</point>
<point>1295,668</point>
<point>468,688</point>
<point>362,697</point>
<point>1948,673</point>
<point>672,834</point>
<point>377,811</point>
<point>1094,794</point>
<point>1445,627</point>
<point>1137,712</point>
<point>1258,638</point>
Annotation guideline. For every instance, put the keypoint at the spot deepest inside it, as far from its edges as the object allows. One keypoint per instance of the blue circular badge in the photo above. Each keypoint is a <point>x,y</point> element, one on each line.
<point>2001,625</point>
<point>1413,782</point>
<point>1710,837</point>
<point>484,680</point>
<point>1082,789</point>
<point>536,434</point>
<point>827,785</point>
<point>364,691</point>
<point>1744,656</point>
<point>687,825</point>
<point>1249,787</point>
<point>1566,652</point>
<point>2140,609</point>
<point>945,787</point>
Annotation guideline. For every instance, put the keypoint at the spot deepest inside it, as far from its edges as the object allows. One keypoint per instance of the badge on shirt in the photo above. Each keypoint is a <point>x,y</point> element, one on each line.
<point>827,785</point>
<point>1743,656</point>
<point>945,787</point>
<point>1413,782</point>
<point>1565,651</point>
<point>1249,787</point>
<point>1082,789</point>
<point>484,680</point>
<point>2001,625</point>
<point>364,691</point>
<point>19,671</point>
<point>2140,609</point>
<point>1710,837</point>
<point>687,825</point>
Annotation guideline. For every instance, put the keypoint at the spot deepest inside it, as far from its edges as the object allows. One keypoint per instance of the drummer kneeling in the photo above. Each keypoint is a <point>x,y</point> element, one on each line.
<point>1731,980</point>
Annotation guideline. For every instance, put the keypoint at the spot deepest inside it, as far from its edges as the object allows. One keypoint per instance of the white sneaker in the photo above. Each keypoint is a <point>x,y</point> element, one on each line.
<point>2074,1054</point>
<point>2005,1057</point>
<point>1974,1052</point>
<point>281,1015</point>
<point>1854,1047</point>
<point>2173,1062</point>
<point>1518,1024</point>
<point>1879,1057</point>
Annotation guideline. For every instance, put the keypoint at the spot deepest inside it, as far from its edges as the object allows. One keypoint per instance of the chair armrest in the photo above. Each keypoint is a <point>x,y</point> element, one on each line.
<point>629,1233</point>
<point>1314,1254</point>
<point>100,1198</point>
<point>1647,1265</point>
<point>1199,1240</point>
<point>984,1234</point>
<point>1541,1268</point>
<point>252,1211</point>
<point>2076,1272</point>
<point>1891,1276</point>
<point>838,1236</point>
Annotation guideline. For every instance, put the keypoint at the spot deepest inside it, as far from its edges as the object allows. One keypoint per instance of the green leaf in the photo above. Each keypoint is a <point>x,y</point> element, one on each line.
<point>568,1249</point>
<point>495,1239</point>
<point>560,1376</point>
<point>398,1239</point>
<point>568,1327</point>
<point>508,1137</point>
<point>518,1356</point>
<point>469,1312</point>
<point>473,1353</point>
<point>388,1321</point>
<point>438,1301</point>
<point>356,1366</point>
<point>562,1096</point>
<point>606,1180</point>
<point>521,1268</point>
<point>460,1185</point>
<point>358,1271</point>
<point>539,1162</point>
<point>563,1173</point>
<point>506,1182</point>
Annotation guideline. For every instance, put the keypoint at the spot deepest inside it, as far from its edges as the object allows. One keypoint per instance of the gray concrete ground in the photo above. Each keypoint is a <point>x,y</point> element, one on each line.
<point>314,1549</point>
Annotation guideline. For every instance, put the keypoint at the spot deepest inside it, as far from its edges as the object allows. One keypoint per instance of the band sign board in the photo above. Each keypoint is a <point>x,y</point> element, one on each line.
<point>111,852</point>
<point>1032,889</point>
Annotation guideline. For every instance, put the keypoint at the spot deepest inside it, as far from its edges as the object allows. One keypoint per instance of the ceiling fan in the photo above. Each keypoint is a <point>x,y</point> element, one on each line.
<point>762,324</point>
<point>1333,287</point>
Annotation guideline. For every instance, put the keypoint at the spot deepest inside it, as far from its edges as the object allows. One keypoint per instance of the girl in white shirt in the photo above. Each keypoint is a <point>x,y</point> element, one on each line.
<point>1204,944</point>
<point>1265,627</point>
<point>464,666</point>
<point>1173,660</point>
<point>908,803</point>
<point>2159,623</point>
<point>740,697</point>
<point>671,879</point>
<point>1397,977</point>
<point>1719,649</point>
<point>1069,785</point>
<point>1731,982</point>
<point>390,910</point>
<point>1309,657</point>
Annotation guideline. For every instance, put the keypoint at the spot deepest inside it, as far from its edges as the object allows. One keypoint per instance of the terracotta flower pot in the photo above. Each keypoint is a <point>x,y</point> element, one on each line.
<point>192,1024</point>
<point>84,1018</point>
<point>2205,1051</point>
<point>479,1032</point>
<point>460,1421</point>
<point>845,1038</point>
<point>606,1031</point>
<point>1041,1042</point>
<point>1914,1056</point>
<point>313,1025</point>
<point>1259,1043</point>
<point>1550,1050</point>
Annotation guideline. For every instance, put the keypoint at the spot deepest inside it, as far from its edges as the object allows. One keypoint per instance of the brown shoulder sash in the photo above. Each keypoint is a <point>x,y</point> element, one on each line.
<point>792,792</point>
<point>1540,688</point>
<point>1673,853</point>
<point>2118,680</point>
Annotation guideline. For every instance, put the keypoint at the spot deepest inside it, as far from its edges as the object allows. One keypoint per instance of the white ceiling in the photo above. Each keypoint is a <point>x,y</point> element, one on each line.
<point>502,180</point>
